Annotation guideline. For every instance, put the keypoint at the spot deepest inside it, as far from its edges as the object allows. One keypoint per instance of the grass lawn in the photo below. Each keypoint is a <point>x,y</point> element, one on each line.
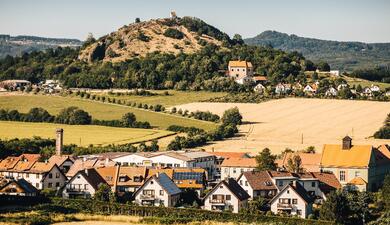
<point>98,110</point>
<point>174,97</point>
<point>365,83</point>
<point>82,135</point>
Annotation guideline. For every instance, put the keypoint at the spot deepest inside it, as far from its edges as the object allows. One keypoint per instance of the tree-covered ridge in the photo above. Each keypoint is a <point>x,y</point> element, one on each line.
<point>196,71</point>
<point>340,55</point>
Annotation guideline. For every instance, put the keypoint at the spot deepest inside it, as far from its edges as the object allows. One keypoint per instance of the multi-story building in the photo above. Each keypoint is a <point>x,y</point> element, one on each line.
<point>241,71</point>
<point>83,184</point>
<point>234,167</point>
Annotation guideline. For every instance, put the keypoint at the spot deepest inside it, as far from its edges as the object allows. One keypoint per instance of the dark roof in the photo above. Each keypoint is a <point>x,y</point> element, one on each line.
<point>347,138</point>
<point>259,180</point>
<point>328,182</point>
<point>234,187</point>
<point>93,177</point>
<point>27,187</point>
<point>297,187</point>
<point>167,184</point>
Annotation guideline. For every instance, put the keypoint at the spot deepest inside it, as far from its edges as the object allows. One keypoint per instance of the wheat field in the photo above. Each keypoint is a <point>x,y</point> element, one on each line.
<point>297,123</point>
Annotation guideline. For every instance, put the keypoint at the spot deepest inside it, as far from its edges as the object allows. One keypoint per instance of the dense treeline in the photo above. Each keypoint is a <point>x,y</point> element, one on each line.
<point>384,132</point>
<point>230,120</point>
<point>156,70</point>
<point>71,115</point>
<point>380,74</point>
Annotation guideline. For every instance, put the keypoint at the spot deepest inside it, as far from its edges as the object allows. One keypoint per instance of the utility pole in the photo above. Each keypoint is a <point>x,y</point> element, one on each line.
<point>302,139</point>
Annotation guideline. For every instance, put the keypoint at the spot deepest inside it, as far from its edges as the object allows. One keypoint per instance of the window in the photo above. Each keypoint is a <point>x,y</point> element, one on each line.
<point>85,186</point>
<point>234,170</point>
<point>299,212</point>
<point>280,183</point>
<point>288,191</point>
<point>57,175</point>
<point>57,184</point>
<point>242,170</point>
<point>226,170</point>
<point>177,165</point>
<point>240,182</point>
<point>295,201</point>
<point>37,185</point>
<point>50,185</point>
<point>313,184</point>
<point>169,165</point>
<point>342,175</point>
<point>228,197</point>
<point>27,175</point>
<point>161,192</point>
<point>37,176</point>
<point>357,173</point>
<point>246,183</point>
<point>220,186</point>
<point>151,182</point>
<point>50,175</point>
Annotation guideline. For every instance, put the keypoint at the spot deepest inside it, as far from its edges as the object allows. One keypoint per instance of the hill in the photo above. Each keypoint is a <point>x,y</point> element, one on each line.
<point>17,45</point>
<point>346,56</point>
<point>167,35</point>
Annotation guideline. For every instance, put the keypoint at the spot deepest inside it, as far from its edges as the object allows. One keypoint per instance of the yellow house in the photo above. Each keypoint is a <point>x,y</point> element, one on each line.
<point>359,167</point>
<point>241,71</point>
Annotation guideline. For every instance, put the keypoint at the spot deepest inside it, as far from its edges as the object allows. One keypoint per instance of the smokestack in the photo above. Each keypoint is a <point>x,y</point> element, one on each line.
<point>59,140</point>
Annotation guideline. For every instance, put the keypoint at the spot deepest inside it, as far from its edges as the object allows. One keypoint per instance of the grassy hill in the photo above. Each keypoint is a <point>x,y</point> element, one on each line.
<point>340,55</point>
<point>17,45</point>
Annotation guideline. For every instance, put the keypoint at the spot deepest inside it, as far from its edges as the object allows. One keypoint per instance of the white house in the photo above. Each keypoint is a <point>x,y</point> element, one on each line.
<point>227,195</point>
<point>257,183</point>
<point>331,92</point>
<point>172,159</point>
<point>312,89</point>
<point>234,167</point>
<point>259,88</point>
<point>375,88</point>
<point>282,88</point>
<point>342,86</point>
<point>292,200</point>
<point>83,184</point>
<point>158,190</point>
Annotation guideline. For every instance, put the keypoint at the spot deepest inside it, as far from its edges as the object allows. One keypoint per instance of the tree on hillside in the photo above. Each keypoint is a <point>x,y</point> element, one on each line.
<point>238,39</point>
<point>310,149</point>
<point>294,164</point>
<point>74,116</point>
<point>128,119</point>
<point>266,160</point>
<point>323,66</point>
<point>38,115</point>
<point>137,20</point>
<point>232,116</point>
<point>335,208</point>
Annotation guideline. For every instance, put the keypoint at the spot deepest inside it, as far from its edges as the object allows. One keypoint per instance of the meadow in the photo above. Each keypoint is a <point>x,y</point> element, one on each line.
<point>82,135</point>
<point>173,98</point>
<point>297,123</point>
<point>98,110</point>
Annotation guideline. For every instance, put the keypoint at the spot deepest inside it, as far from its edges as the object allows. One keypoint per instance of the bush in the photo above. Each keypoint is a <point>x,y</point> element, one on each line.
<point>173,33</point>
<point>74,116</point>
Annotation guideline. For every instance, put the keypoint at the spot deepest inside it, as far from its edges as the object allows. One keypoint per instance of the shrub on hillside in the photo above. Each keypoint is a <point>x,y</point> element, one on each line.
<point>173,33</point>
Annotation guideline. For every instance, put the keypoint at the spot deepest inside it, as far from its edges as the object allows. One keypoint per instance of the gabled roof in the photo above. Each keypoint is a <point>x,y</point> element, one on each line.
<point>358,156</point>
<point>259,180</point>
<point>297,187</point>
<point>60,159</point>
<point>260,78</point>
<point>240,63</point>
<point>81,164</point>
<point>239,162</point>
<point>233,187</point>
<point>230,154</point>
<point>41,167</point>
<point>357,181</point>
<point>328,181</point>
<point>22,183</point>
<point>183,177</point>
<point>165,182</point>
<point>11,161</point>
<point>109,174</point>
<point>132,172</point>
<point>92,177</point>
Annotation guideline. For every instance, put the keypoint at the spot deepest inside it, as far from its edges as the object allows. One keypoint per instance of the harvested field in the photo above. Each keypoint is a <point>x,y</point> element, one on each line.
<point>82,135</point>
<point>279,124</point>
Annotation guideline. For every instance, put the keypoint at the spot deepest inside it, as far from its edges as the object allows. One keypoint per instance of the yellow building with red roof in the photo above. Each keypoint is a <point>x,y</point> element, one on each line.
<point>359,167</point>
<point>241,71</point>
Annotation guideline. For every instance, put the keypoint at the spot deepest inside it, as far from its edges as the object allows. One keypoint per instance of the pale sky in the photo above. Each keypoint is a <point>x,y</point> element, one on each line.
<point>343,20</point>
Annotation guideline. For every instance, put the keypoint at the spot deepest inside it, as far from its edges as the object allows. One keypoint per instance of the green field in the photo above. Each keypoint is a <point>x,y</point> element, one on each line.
<point>98,110</point>
<point>82,135</point>
<point>174,97</point>
<point>366,83</point>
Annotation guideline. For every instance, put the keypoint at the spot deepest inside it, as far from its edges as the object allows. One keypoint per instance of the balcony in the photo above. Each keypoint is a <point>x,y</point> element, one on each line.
<point>284,206</point>
<point>75,190</point>
<point>218,201</point>
<point>147,197</point>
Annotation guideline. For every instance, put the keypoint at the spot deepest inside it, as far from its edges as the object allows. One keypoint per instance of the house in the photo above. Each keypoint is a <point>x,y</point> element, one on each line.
<point>282,88</point>
<point>130,179</point>
<point>375,88</point>
<point>310,89</point>
<point>240,71</point>
<point>88,163</point>
<point>310,162</point>
<point>292,200</point>
<point>259,88</point>
<point>233,167</point>
<point>64,162</point>
<point>257,183</point>
<point>158,190</point>
<point>83,184</point>
<point>221,156</point>
<point>227,195</point>
<point>361,167</point>
<point>171,159</point>
<point>260,79</point>
<point>14,84</point>
<point>342,86</point>
<point>328,182</point>
<point>331,92</point>
<point>17,187</point>
<point>367,92</point>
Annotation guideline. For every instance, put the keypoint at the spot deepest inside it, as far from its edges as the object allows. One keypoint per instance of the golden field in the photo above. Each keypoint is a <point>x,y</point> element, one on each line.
<point>280,124</point>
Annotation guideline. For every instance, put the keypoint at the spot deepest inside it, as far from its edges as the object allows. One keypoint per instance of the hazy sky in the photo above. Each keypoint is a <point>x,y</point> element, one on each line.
<point>346,20</point>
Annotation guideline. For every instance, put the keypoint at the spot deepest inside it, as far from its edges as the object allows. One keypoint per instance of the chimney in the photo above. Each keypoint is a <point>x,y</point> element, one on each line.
<point>347,143</point>
<point>86,171</point>
<point>106,162</point>
<point>59,140</point>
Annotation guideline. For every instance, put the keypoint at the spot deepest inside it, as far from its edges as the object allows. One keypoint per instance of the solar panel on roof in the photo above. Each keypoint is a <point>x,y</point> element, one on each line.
<point>168,185</point>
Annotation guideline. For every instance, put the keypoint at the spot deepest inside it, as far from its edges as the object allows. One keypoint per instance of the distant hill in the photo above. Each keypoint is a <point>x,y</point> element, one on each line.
<point>166,35</point>
<point>345,56</point>
<point>17,45</point>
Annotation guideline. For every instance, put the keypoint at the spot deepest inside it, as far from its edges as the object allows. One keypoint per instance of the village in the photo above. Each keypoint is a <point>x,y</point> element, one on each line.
<point>218,181</point>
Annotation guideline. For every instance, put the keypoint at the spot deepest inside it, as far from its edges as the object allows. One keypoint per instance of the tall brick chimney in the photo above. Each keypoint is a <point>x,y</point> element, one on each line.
<point>59,140</point>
